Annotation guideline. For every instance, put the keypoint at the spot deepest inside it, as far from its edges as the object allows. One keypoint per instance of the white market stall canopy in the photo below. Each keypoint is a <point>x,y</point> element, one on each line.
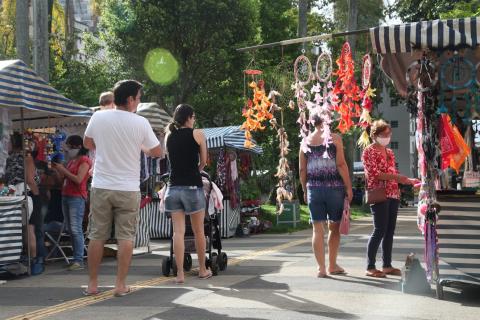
<point>436,34</point>
<point>21,87</point>
<point>401,45</point>
<point>156,115</point>
<point>232,137</point>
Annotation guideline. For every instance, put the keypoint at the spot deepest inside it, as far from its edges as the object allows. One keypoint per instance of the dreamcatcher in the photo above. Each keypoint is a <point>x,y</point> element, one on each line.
<point>324,100</point>
<point>302,70</point>
<point>459,73</point>
<point>347,90</point>
<point>367,104</point>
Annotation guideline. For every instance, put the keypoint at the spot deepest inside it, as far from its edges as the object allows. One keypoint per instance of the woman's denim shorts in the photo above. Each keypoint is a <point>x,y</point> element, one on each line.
<point>188,199</point>
<point>325,203</point>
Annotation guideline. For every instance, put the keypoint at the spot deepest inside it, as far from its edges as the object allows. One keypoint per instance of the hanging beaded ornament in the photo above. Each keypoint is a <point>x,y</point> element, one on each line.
<point>367,104</point>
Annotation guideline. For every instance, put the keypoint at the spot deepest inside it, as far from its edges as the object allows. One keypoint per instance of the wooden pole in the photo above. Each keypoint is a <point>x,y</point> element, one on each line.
<point>25,188</point>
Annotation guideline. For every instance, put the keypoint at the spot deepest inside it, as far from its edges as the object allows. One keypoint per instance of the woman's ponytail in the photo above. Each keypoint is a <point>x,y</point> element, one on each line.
<point>171,127</point>
<point>182,113</point>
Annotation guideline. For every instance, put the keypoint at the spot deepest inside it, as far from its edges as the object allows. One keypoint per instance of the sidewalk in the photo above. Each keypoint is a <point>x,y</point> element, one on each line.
<point>270,277</point>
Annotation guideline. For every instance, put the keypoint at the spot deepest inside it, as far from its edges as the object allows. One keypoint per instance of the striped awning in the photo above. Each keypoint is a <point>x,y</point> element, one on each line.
<point>436,34</point>
<point>156,115</point>
<point>231,136</point>
<point>21,87</point>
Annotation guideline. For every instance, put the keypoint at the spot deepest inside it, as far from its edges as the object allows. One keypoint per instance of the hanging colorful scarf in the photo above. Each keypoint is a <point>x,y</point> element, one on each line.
<point>347,90</point>
<point>221,171</point>
<point>447,140</point>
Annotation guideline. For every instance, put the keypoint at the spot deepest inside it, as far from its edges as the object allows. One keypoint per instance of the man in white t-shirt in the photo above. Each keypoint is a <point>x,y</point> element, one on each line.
<point>118,136</point>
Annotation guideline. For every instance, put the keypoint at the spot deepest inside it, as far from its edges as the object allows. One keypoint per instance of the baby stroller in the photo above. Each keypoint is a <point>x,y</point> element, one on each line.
<point>216,259</point>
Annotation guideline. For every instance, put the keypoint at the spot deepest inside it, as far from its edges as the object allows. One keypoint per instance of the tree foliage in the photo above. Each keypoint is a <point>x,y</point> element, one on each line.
<point>7,29</point>
<point>420,10</point>
<point>201,35</point>
<point>463,9</point>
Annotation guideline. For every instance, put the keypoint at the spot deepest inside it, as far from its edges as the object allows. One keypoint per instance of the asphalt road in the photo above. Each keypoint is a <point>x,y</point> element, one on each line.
<point>269,277</point>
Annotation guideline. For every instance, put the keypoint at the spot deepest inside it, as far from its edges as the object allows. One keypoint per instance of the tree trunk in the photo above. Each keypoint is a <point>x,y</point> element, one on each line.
<point>50,15</point>
<point>40,38</point>
<point>22,24</point>
<point>69,29</point>
<point>302,19</point>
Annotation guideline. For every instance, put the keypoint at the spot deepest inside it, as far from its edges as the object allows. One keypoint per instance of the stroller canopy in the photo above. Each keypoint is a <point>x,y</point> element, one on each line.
<point>232,137</point>
<point>21,87</point>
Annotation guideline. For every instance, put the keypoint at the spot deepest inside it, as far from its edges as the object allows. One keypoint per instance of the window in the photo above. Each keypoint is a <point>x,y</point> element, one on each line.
<point>394,145</point>
<point>394,124</point>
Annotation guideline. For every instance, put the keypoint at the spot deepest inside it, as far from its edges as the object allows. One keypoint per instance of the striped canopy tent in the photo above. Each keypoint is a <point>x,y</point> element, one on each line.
<point>400,45</point>
<point>231,137</point>
<point>156,115</point>
<point>21,89</point>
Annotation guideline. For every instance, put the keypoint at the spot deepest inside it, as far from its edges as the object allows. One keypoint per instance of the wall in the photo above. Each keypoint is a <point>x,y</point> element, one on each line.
<point>402,135</point>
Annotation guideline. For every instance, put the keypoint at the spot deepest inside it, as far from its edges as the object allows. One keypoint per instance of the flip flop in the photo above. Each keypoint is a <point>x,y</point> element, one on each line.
<point>179,281</point>
<point>88,294</point>
<point>375,274</point>
<point>208,276</point>
<point>123,294</point>
<point>339,272</point>
<point>393,272</point>
<point>321,275</point>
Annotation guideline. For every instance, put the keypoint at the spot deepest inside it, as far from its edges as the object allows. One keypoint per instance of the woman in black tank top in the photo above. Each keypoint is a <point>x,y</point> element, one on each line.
<point>187,154</point>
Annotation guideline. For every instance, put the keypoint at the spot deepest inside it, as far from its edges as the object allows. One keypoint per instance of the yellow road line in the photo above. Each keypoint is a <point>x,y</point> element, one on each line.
<point>86,301</point>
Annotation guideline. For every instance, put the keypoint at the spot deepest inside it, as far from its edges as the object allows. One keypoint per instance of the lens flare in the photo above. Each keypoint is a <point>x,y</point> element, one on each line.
<point>161,66</point>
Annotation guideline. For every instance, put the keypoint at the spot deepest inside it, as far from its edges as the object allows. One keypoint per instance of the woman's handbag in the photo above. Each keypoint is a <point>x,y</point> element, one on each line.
<point>345,222</point>
<point>376,195</point>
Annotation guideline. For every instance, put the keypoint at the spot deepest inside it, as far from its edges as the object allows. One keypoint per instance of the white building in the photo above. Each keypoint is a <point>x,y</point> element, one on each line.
<point>403,132</point>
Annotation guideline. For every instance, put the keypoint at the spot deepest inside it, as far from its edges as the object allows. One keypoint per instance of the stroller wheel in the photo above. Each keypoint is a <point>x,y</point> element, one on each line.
<point>223,261</point>
<point>187,262</point>
<point>166,266</point>
<point>214,265</point>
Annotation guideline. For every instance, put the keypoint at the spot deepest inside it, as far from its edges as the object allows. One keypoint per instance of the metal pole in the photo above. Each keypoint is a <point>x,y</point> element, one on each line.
<point>22,127</point>
<point>326,36</point>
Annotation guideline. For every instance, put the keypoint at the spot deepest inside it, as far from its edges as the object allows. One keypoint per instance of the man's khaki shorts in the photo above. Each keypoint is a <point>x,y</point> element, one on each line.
<point>108,206</point>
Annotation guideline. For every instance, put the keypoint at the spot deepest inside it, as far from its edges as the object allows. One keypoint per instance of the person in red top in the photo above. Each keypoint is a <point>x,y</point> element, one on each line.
<point>381,172</point>
<point>74,195</point>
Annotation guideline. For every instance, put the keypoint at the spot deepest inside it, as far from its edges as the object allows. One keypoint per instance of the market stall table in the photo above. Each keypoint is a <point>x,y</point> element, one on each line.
<point>11,211</point>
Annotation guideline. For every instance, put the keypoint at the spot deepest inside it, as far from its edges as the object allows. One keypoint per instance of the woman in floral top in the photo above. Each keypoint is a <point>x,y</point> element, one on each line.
<point>381,172</point>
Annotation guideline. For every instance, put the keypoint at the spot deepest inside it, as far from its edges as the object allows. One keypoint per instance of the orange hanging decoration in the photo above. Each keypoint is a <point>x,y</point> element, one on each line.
<point>347,90</point>
<point>256,111</point>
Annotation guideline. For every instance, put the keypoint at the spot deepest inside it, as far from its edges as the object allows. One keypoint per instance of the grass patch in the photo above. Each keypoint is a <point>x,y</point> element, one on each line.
<point>268,212</point>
